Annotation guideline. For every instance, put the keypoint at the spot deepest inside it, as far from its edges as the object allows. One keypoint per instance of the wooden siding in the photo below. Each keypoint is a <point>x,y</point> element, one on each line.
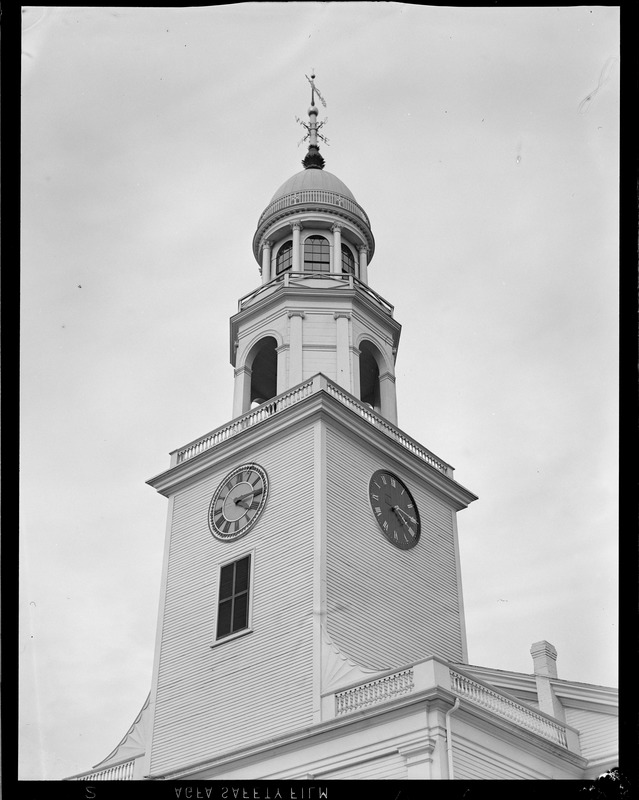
<point>320,328</point>
<point>212,700</point>
<point>389,767</point>
<point>598,733</point>
<point>393,607</point>
<point>317,360</point>
<point>475,762</point>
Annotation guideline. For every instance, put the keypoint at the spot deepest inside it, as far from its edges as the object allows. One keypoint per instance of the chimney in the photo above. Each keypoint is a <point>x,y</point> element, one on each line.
<point>545,668</point>
<point>544,659</point>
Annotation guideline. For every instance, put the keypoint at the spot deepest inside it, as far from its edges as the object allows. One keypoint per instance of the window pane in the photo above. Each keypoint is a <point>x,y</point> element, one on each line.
<point>224,618</point>
<point>317,254</point>
<point>241,575</point>
<point>240,612</point>
<point>226,581</point>
<point>284,257</point>
<point>348,261</point>
<point>233,607</point>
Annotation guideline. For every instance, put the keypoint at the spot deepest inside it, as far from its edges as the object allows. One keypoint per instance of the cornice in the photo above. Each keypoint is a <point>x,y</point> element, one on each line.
<point>318,405</point>
<point>308,212</point>
<point>435,696</point>
<point>358,719</point>
<point>308,296</point>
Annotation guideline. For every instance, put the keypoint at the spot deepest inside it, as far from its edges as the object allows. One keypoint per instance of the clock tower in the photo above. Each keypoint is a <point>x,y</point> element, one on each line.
<point>311,544</point>
<point>311,621</point>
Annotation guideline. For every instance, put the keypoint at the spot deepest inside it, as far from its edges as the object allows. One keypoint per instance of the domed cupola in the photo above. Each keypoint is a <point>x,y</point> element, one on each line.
<point>313,222</point>
<point>314,313</point>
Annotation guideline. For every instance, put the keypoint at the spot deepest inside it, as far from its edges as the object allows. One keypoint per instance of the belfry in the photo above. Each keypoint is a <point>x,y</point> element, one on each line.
<point>313,243</point>
<point>311,622</point>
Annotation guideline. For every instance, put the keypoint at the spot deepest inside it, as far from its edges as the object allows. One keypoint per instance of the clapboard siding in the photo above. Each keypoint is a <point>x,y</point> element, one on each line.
<point>598,733</point>
<point>324,361</point>
<point>320,328</point>
<point>475,762</point>
<point>389,767</point>
<point>396,606</point>
<point>212,700</point>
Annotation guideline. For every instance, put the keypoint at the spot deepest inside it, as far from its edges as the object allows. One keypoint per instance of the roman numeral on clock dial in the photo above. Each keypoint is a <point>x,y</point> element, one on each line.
<point>394,509</point>
<point>238,502</point>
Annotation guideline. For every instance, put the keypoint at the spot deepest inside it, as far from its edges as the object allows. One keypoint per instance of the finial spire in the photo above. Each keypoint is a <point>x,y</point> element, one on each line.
<point>313,159</point>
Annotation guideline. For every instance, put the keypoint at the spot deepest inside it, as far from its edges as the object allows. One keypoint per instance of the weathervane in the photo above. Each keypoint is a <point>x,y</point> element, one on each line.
<point>314,89</point>
<point>312,126</point>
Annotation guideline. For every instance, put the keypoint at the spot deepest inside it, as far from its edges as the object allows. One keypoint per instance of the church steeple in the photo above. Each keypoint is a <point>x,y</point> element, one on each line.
<point>311,567</point>
<point>314,311</point>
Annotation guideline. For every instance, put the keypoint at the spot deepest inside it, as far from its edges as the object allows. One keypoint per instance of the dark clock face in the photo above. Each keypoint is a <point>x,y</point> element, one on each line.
<point>394,509</point>
<point>238,502</point>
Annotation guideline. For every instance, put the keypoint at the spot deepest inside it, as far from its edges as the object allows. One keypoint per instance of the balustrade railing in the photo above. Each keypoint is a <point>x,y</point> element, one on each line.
<point>291,398</point>
<point>321,196</point>
<point>521,715</point>
<point>379,422</point>
<point>289,278</point>
<point>370,694</point>
<point>118,772</point>
<point>249,419</point>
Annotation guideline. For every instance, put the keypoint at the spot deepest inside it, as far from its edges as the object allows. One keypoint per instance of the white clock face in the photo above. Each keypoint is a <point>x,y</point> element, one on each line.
<point>238,502</point>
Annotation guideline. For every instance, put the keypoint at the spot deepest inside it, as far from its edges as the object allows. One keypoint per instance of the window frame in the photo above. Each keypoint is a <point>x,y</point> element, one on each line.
<point>285,247</point>
<point>327,247</point>
<point>250,554</point>
<point>348,250</point>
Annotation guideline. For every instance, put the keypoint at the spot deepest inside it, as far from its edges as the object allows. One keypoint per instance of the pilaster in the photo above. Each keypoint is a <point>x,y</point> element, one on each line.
<point>282,367</point>
<point>343,365</point>
<point>419,759</point>
<point>242,390</point>
<point>296,345</point>
<point>354,357</point>
<point>388,397</point>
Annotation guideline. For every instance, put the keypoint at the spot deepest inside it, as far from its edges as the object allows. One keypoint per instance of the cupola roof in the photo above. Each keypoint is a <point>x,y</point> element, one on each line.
<point>313,179</point>
<point>313,191</point>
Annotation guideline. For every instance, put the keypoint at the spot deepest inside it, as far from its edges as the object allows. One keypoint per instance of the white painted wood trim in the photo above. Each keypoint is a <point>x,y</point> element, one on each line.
<point>146,767</point>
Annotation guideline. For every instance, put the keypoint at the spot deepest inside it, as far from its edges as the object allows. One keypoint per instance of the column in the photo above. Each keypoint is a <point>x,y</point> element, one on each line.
<point>363,265</point>
<point>295,358</point>
<point>343,366</point>
<point>337,249</point>
<point>297,227</point>
<point>266,261</point>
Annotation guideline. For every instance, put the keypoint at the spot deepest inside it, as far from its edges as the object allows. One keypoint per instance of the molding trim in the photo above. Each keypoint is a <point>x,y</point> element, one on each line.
<point>338,670</point>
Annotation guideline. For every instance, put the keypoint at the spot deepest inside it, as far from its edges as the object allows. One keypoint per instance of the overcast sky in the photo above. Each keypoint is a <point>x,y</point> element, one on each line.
<point>482,143</point>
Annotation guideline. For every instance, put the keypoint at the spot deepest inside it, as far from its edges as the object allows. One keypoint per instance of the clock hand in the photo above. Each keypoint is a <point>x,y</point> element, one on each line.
<point>398,511</point>
<point>238,500</point>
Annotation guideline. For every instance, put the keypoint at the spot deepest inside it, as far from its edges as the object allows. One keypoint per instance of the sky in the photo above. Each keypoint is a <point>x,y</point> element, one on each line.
<point>483,145</point>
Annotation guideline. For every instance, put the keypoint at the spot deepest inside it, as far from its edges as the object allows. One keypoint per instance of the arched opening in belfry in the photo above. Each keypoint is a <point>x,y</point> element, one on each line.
<point>369,375</point>
<point>264,371</point>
